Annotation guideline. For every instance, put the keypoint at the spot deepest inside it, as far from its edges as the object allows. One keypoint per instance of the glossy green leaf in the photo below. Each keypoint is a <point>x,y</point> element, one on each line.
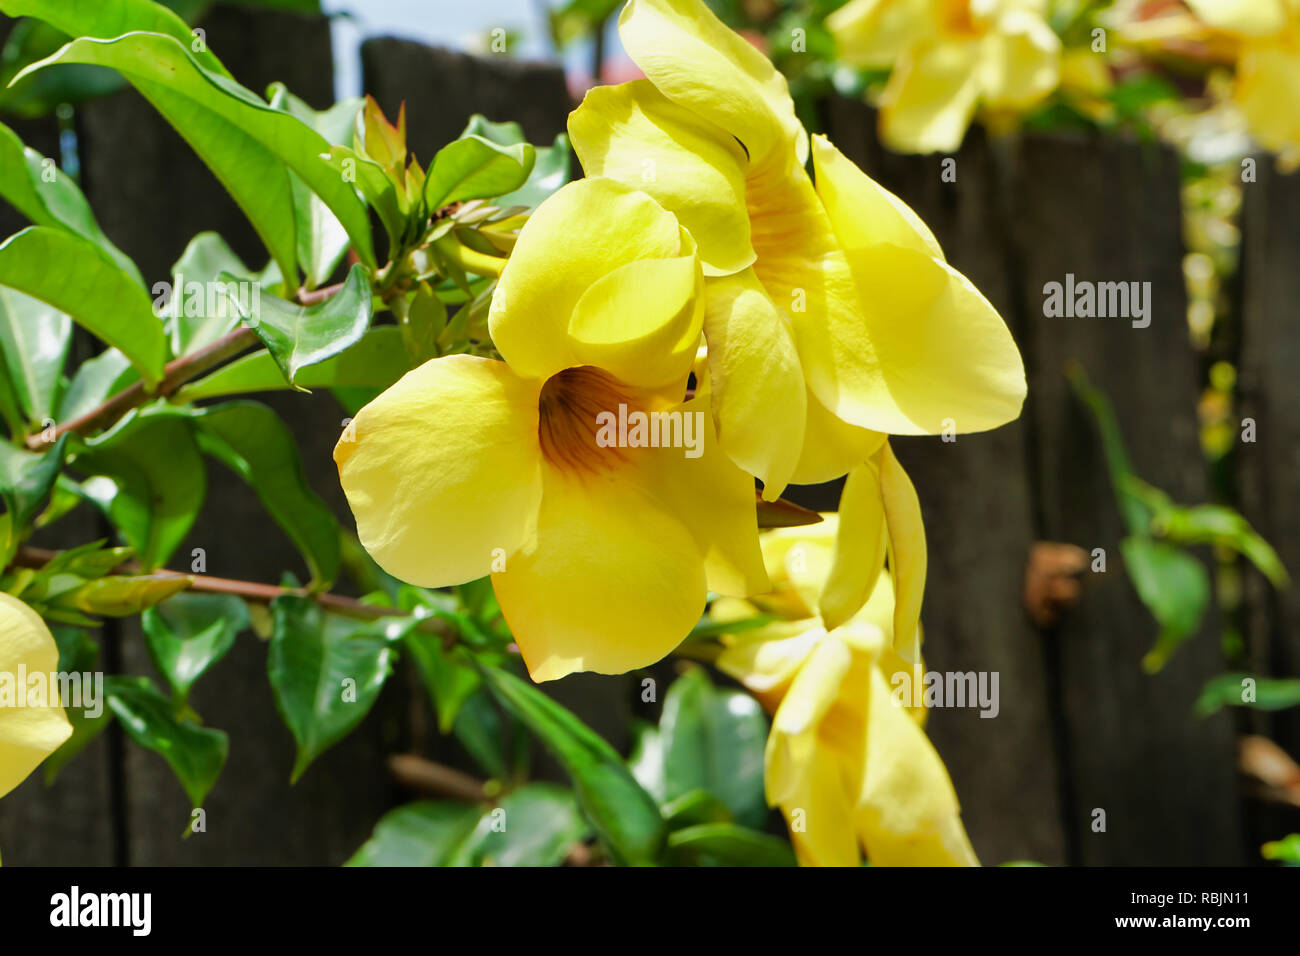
<point>379,191</point>
<point>75,276</point>
<point>326,673</point>
<point>25,481</point>
<point>418,834</point>
<point>550,170</point>
<point>34,340</point>
<point>1175,588</point>
<point>1248,690</point>
<point>301,336</point>
<point>1285,850</point>
<point>78,654</point>
<point>250,146</point>
<point>37,188</point>
<point>536,825</point>
<point>1220,525</point>
<point>448,680</point>
<point>195,753</point>
<point>726,844</point>
<point>322,240</point>
<point>713,740</point>
<point>624,816</point>
<point>189,633</point>
<point>476,168</point>
<point>375,361</point>
<point>252,441</point>
<point>197,311</point>
<point>94,381</point>
<point>149,479</point>
<point>693,808</point>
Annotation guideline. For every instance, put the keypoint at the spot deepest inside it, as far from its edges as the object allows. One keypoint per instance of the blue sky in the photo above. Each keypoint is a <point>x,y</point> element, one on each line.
<point>461,24</point>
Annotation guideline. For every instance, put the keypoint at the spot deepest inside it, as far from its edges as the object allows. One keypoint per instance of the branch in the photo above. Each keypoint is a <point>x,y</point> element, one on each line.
<point>177,373</point>
<point>259,593</point>
<point>435,779</point>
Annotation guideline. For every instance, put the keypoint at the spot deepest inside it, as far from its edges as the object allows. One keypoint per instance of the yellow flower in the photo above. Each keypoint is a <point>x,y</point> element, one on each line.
<point>948,57</point>
<point>849,765</point>
<point>831,315</point>
<point>601,553</point>
<point>28,734</point>
<point>1267,84</point>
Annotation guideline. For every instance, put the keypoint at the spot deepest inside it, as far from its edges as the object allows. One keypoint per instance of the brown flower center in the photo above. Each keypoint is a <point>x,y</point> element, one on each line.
<point>569,419</point>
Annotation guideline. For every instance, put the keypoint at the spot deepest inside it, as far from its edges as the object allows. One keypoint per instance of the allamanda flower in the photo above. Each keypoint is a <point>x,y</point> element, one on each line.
<point>847,759</point>
<point>831,315</point>
<point>948,58</point>
<point>1267,83</point>
<point>601,549</point>
<point>28,734</point>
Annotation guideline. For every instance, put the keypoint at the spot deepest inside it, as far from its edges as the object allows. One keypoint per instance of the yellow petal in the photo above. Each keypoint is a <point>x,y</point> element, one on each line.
<point>1020,61</point>
<point>1247,17</point>
<point>634,134</point>
<point>928,346</point>
<point>580,234</point>
<point>907,813</point>
<point>615,580</point>
<point>874,33</point>
<point>832,447</point>
<point>930,97</point>
<point>865,213</point>
<point>765,659</point>
<point>715,500</point>
<point>817,806</point>
<point>27,734</point>
<point>1268,89</point>
<point>757,387</point>
<point>907,550</point>
<point>815,688</point>
<point>641,323</point>
<point>442,471</point>
<point>699,63</point>
<point>859,547</point>
<point>797,561</point>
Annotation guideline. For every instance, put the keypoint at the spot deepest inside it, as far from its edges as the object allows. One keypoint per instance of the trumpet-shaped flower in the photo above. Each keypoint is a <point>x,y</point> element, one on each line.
<point>848,763</point>
<point>30,730</point>
<point>573,470</point>
<point>949,57</point>
<point>1267,83</point>
<point>831,316</point>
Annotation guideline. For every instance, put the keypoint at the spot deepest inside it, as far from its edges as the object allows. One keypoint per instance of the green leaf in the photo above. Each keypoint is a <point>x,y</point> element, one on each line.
<point>1220,525</point>
<point>75,276</point>
<point>25,482</point>
<point>195,753</point>
<point>476,168</point>
<point>418,834</point>
<point>1285,850</point>
<point>624,816</point>
<point>448,681</point>
<point>189,633</point>
<point>94,381</point>
<point>1261,693</point>
<point>479,728</point>
<point>550,170</point>
<point>252,441</point>
<point>322,240</point>
<point>250,146</point>
<point>37,188</point>
<point>194,318</point>
<point>729,845</point>
<point>300,336</point>
<point>695,807</point>
<point>379,191</point>
<point>34,340</point>
<point>326,673</point>
<point>713,740</point>
<point>78,654</point>
<point>149,479</point>
<point>1174,587</point>
<point>536,825</point>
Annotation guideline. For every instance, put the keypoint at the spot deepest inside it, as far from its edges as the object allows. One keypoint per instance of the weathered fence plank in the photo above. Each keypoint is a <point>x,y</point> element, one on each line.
<point>1109,210</point>
<point>1269,466</point>
<point>975,496</point>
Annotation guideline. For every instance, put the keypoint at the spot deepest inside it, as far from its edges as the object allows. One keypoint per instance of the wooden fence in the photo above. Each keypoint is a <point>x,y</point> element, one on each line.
<point>1081,728</point>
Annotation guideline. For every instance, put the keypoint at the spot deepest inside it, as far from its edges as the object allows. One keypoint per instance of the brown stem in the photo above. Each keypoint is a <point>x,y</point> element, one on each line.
<point>258,593</point>
<point>435,779</point>
<point>316,296</point>
<point>177,373</point>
